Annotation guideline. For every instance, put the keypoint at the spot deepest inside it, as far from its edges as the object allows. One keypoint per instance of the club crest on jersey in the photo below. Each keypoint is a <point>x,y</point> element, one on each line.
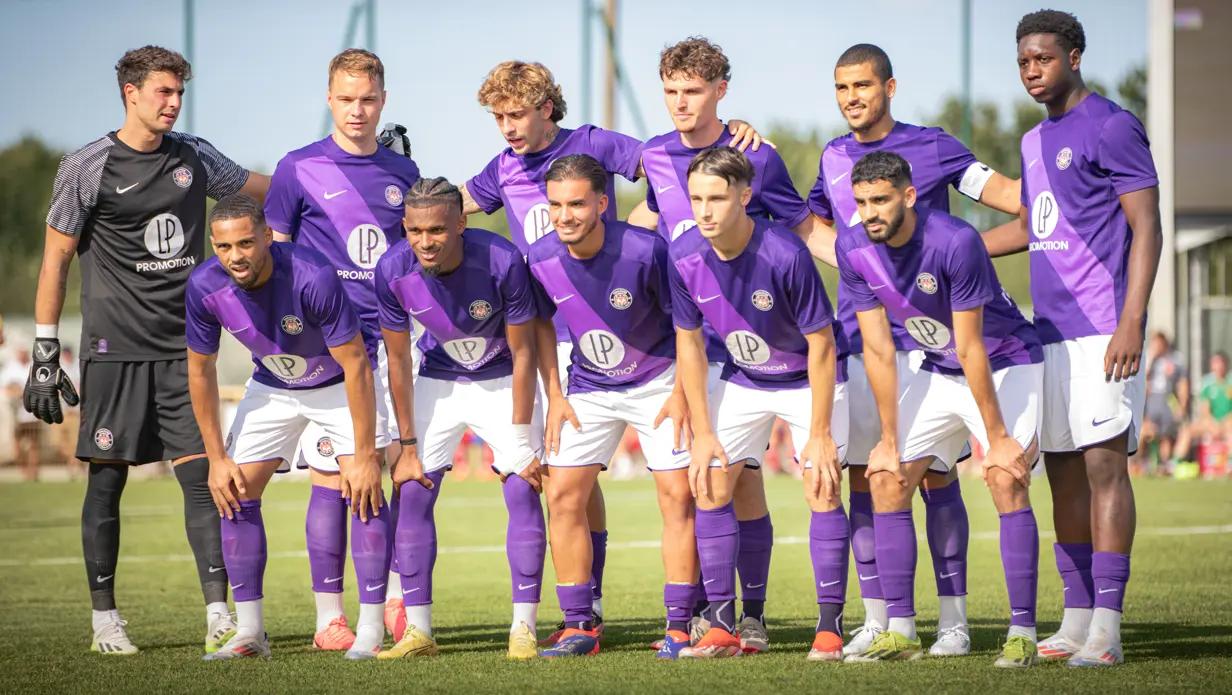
<point>926,282</point>
<point>1064,157</point>
<point>103,439</point>
<point>393,195</point>
<point>182,176</point>
<point>325,447</point>
<point>620,298</point>
<point>291,325</point>
<point>480,309</point>
<point>763,300</point>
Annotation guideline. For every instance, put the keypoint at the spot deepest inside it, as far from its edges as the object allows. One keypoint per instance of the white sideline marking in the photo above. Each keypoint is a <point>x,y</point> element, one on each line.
<point>623,545</point>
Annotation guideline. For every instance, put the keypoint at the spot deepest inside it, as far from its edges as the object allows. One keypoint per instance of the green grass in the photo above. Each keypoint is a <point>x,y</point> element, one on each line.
<point>1178,630</point>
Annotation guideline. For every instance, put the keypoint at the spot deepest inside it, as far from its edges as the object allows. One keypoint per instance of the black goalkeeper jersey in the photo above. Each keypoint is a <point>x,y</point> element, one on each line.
<point>140,217</point>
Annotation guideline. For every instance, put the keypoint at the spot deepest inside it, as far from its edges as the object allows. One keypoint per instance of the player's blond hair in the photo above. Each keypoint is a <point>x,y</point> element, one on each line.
<point>696,56</point>
<point>520,83</point>
<point>357,61</point>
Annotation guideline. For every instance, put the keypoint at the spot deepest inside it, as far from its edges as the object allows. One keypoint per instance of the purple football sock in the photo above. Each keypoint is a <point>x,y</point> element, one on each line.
<point>1074,566</point>
<point>945,518</point>
<point>718,546</point>
<point>1020,559</point>
<point>1111,573</point>
<point>415,539</point>
<point>598,560</point>
<point>863,544</point>
<point>896,557</point>
<point>753,563</point>
<point>394,506</point>
<point>828,537</point>
<point>525,539</point>
<point>325,527</point>
<point>371,546</point>
<point>574,602</point>
<point>678,599</point>
<point>244,551</point>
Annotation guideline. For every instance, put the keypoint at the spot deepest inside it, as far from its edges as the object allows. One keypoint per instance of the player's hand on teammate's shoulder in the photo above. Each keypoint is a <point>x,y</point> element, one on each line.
<point>884,459</point>
<point>559,411</point>
<point>226,484</point>
<point>745,136</point>
<point>1123,358</point>
<point>1006,453</point>
<point>824,475</point>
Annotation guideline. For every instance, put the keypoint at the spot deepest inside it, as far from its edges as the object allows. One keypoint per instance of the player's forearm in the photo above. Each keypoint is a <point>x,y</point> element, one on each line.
<point>820,237</point>
<point>203,392</point>
<point>1006,239</point>
<point>361,401</point>
<point>691,373</point>
<point>256,186</point>
<point>53,280</point>
<point>401,381</point>
<point>523,380</point>
<point>821,373</point>
<point>469,206</point>
<point>545,356</point>
<point>1142,213</point>
<point>1003,194</point>
<point>974,360</point>
<point>642,216</point>
<point>881,367</point>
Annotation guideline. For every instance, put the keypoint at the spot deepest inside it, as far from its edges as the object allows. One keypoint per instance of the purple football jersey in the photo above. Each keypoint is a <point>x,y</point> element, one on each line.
<point>761,304</point>
<point>463,312</point>
<point>1075,167</point>
<point>515,181</point>
<point>288,324</point>
<point>616,307</point>
<point>347,207</point>
<point>938,161</point>
<point>943,268</point>
<point>666,159</point>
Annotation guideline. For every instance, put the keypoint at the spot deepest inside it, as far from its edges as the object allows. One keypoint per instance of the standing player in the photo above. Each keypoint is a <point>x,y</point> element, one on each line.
<point>286,305</point>
<point>608,281</point>
<point>471,292</point>
<point>755,284</point>
<point>1090,190</point>
<point>695,75</point>
<point>864,85</point>
<point>342,196</point>
<point>929,274</point>
<point>132,205</point>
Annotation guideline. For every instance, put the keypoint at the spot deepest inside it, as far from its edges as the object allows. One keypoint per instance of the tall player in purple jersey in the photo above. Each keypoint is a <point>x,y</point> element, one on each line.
<point>864,86</point>
<point>471,292</point>
<point>286,305</point>
<point>608,282</point>
<point>695,75</point>
<point>342,197</point>
<point>1091,224</point>
<point>755,284</point>
<point>929,274</point>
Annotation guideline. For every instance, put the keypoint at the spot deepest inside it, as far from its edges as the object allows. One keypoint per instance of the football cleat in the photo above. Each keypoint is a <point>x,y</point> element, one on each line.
<point>1099,651</point>
<point>112,639</point>
<point>357,654</point>
<point>889,646</point>
<point>753,637</point>
<point>221,629</point>
<point>336,637</point>
<point>395,617</point>
<point>522,644</point>
<point>242,647</point>
<point>414,642</point>
<point>951,641</point>
<point>862,638</point>
<point>716,644</point>
<point>573,642</point>
<point>1057,647</point>
<point>671,644</point>
<point>1018,652</point>
<point>553,638</point>
<point>827,646</point>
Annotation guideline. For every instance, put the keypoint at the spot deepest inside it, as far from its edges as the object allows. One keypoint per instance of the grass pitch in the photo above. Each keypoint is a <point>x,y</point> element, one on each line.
<point>1178,630</point>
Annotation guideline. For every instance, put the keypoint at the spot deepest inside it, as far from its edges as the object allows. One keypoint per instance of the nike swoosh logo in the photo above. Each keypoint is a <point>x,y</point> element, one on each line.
<point>236,586</point>
<point>421,311</point>
<point>677,452</point>
<point>945,575</point>
<point>754,586</point>
<point>524,587</point>
<point>868,578</point>
<point>126,189</point>
<point>1097,423</point>
<point>700,300</point>
<point>331,196</point>
<point>329,580</point>
<point>411,591</point>
<point>234,331</point>
<point>1065,589</point>
<point>875,287</point>
<point>216,569</point>
<point>373,588</point>
<point>1107,591</point>
<point>825,584</point>
<point>891,605</point>
<point>558,300</point>
<point>1032,163</point>
<point>101,579</point>
<point>1018,612</point>
<point>661,190</point>
<point>838,178</point>
<point>707,581</point>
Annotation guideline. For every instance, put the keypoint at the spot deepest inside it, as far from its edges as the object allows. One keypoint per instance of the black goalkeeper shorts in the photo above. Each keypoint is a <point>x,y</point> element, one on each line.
<point>137,412</point>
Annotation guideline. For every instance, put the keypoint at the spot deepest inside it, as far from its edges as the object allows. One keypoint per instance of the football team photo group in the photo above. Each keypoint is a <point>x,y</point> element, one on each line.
<point>382,327</point>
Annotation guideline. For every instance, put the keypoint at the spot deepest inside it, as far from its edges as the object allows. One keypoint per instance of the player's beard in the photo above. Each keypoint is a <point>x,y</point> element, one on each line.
<point>587,230</point>
<point>889,231</point>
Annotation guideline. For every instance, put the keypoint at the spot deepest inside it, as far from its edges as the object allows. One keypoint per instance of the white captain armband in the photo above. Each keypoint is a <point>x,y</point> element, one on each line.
<point>974,179</point>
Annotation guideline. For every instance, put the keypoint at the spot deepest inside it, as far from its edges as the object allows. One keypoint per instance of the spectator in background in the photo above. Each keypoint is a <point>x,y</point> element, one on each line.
<point>28,432</point>
<point>1214,417</point>
<point>1167,402</point>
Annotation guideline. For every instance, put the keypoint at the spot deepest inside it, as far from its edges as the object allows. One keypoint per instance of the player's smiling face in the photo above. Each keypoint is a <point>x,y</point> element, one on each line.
<point>576,209</point>
<point>883,207</point>
<point>1045,68</point>
<point>156,103</point>
<point>717,205</point>
<point>243,250</point>
<point>862,97</point>
<point>692,102</point>
<point>355,101</point>
<point>525,128</point>
<point>435,235</point>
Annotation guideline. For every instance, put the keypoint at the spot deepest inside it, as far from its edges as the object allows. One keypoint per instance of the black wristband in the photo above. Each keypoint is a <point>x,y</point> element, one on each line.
<point>409,442</point>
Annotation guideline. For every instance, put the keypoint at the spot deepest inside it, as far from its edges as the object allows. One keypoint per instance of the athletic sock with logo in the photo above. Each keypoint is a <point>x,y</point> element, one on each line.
<point>525,547</point>
<point>325,528</point>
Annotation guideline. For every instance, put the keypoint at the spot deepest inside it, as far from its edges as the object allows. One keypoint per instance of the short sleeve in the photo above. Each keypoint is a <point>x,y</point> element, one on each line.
<point>657,279</point>
<point>484,187</point>
<point>953,158</point>
<point>285,200</point>
<point>75,191</point>
<point>810,307</point>
<point>222,176</point>
<point>547,308</point>
<point>819,198</point>
<point>851,281</point>
<point>618,153</point>
<point>1124,154</point>
<point>201,327</point>
<point>517,294</point>
<point>778,193</point>
<point>326,303</point>
<point>685,313</point>
<point>390,312</point>
<point>651,201</point>
<point>969,270</point>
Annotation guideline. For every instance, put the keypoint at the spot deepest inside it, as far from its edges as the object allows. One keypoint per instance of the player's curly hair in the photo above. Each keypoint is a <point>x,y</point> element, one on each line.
<point>426,193</point>
<point>728,163</point>
<point>882,165</point>
<point>238,206</point>
<point>696,56</point>
<point>525,84</point>
<point>583,167</point>
<point>1063,25</point>
<point>357,61</point>
<point>136,65</point>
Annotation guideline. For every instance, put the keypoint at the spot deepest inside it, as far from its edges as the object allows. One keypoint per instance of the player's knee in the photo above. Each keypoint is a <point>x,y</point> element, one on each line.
<point>888,494</point>
<point>565,502</point>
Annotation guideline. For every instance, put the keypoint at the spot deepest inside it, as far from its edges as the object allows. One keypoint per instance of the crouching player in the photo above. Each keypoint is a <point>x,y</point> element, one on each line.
<point>608,282</point>
<point>471,292</point>
<point>755,283</point>
<point>286,305</point>
<point>929,274</point>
